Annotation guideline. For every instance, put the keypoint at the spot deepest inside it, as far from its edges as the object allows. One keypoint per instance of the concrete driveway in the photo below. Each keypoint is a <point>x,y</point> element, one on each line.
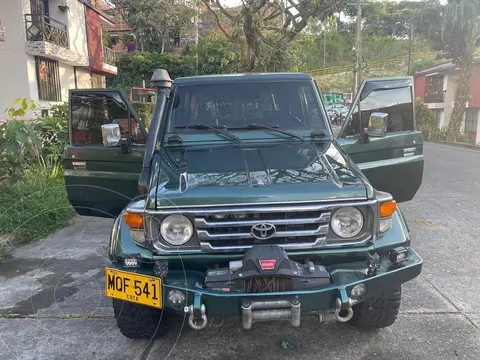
<point>52,302</point>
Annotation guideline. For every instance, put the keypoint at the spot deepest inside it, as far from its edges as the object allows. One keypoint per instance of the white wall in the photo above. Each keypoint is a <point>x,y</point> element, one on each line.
<point>450,84</point>
<point>55,12</point>
<point>77,27</point>
<point>477,140</point>
<point>13,69</point>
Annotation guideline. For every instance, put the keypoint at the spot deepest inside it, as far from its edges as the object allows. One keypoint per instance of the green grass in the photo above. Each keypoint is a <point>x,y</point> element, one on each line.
<point>32,209</point>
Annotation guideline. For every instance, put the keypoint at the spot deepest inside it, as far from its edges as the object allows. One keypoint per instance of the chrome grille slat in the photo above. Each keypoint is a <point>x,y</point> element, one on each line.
<point>205,235</point>
<point>297,225</point>
<point>202,223</point>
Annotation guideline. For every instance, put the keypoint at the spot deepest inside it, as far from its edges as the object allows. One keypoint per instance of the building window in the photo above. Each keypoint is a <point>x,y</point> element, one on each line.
<point>113,40</point>
<point>434,89</point>
<point>48,79</point>
<point>471,120</point>
<point>98,81</point>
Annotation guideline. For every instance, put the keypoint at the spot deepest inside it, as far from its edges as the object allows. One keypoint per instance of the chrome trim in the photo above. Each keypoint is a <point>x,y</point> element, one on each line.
<point>205,246</point>
<point>202,210</point>
<point>202,223</point>
<point>204,234</point>
<point>112,246</point>
<point>137,207</point>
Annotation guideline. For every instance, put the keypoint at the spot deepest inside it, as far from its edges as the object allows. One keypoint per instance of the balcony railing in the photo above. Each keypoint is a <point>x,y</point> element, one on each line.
<point>435,97</point>
<point>109,56</point>
<point>40,27</point>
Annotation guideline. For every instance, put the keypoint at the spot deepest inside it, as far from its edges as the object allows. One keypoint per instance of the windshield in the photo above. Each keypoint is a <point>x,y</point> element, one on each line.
<point>283,105</point>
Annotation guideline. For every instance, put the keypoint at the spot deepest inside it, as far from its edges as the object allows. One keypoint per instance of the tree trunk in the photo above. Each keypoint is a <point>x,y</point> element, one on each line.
<point>462,93</point>
<point>251,37</point>
<point>163,45</point>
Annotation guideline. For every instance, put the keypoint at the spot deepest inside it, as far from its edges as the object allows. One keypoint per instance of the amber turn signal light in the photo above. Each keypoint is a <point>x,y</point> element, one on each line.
<point>134,221</point>
<point>388,208</point>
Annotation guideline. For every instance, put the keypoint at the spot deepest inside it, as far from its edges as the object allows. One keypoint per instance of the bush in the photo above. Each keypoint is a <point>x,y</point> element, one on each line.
<point>40,143</point>
<point>144,111</point>
<point>427,124</point>
<point>33,199</point>
<point>33,208</point>
<point>133,68</point>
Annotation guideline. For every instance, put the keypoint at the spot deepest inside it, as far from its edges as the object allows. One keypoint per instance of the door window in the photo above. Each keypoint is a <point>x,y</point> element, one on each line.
<point>89,111</point>
<point>397,103</point>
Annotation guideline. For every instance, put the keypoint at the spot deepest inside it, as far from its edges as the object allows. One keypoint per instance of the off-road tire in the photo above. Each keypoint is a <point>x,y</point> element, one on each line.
<point>377,312</point>
<point>139,321</point>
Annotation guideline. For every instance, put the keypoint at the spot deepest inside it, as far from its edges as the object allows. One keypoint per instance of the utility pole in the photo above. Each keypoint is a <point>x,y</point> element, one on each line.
<point>357,70</point>
<point>410,49</point>
<point>324,48</point>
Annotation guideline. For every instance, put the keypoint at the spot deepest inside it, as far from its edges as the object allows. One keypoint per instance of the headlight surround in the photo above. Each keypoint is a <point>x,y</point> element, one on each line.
<point>347,222</point>
<point>176,229</point>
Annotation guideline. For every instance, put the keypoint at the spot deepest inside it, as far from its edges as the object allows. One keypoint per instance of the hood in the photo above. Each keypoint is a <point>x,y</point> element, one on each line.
<point>253,174</point>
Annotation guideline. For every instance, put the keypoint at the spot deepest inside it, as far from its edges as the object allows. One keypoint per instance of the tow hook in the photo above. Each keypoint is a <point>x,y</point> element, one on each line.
<point>197,318</point>
<point>343,303</point>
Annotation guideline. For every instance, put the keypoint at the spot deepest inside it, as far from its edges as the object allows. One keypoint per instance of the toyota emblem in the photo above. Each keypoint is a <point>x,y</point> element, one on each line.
<point>263,231</point>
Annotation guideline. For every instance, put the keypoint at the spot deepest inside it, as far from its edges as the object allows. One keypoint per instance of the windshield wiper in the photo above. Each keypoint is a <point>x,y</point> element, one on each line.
<point>215,128</point>
<point>271,128</point>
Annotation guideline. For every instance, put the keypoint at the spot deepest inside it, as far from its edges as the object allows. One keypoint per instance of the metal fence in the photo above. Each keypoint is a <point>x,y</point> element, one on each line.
<point>109,56</point>
<point>40,27</point>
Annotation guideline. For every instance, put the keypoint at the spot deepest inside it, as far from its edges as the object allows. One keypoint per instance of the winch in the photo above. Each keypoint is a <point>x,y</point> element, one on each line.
<point>267,268</point>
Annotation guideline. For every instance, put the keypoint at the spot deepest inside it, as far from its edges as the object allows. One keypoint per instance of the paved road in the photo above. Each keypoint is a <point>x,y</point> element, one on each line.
<point>59,282</point>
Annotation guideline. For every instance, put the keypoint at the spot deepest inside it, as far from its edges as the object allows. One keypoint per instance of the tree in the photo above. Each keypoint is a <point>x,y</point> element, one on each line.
<point>152,21</point>
<point>268,28</point>
<point>456,29</point>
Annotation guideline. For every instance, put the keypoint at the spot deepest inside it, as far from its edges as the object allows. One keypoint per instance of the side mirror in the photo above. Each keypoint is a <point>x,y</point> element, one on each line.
<point>111,135</point>
<point>377,124</point>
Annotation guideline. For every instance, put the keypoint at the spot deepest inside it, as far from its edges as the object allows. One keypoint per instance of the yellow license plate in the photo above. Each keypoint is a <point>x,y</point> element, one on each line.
<point>141,289</point>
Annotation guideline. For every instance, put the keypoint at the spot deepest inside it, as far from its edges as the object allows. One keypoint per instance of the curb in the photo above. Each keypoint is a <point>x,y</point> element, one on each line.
<point>455,144</point>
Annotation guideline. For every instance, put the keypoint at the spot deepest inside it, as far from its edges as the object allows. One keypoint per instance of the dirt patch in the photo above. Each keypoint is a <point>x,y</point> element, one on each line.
<point>428,223</point>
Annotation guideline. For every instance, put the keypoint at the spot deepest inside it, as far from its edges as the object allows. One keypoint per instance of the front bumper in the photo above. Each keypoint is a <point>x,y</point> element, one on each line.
<point>346,266</point>
<point>344,277</point>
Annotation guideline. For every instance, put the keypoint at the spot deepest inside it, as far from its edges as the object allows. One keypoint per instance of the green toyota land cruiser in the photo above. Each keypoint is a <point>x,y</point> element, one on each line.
<point>239,200</point>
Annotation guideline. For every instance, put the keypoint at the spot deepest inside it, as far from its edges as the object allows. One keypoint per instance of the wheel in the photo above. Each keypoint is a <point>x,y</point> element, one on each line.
<point>377,312</point>
<point>140,321</point>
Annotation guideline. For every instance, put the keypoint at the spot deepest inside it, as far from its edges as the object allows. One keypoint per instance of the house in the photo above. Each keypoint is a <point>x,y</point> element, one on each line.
<point>49,47</point>
<point>116,33</point>
<point>436,87</point>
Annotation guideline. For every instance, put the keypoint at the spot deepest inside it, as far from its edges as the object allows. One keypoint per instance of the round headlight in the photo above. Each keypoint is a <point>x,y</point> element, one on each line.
<point>176,229</point>
<point>347,222</point>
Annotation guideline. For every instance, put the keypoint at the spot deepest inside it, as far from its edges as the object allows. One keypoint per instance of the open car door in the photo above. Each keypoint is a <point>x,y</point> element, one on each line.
<point>101,180</point>
<point>380,136</point>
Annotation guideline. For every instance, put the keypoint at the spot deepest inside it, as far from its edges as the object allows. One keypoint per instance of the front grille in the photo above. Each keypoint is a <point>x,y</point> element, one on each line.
<point>233,228</point>
<point>267,284</point>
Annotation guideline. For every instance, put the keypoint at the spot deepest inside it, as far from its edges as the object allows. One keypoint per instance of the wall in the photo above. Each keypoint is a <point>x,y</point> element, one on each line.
<point>77,28</point>
<point>477,140</point>
<point>13,69</point>
<point>55,12</point>
<point>450,85</point>
<point>475,88</point>
<point>84,78</point>
<point>420,81</point>
<point>94,34</point>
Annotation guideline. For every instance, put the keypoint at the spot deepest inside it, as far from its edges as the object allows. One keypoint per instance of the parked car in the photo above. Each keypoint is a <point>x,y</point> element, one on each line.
<point>239,201</point>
